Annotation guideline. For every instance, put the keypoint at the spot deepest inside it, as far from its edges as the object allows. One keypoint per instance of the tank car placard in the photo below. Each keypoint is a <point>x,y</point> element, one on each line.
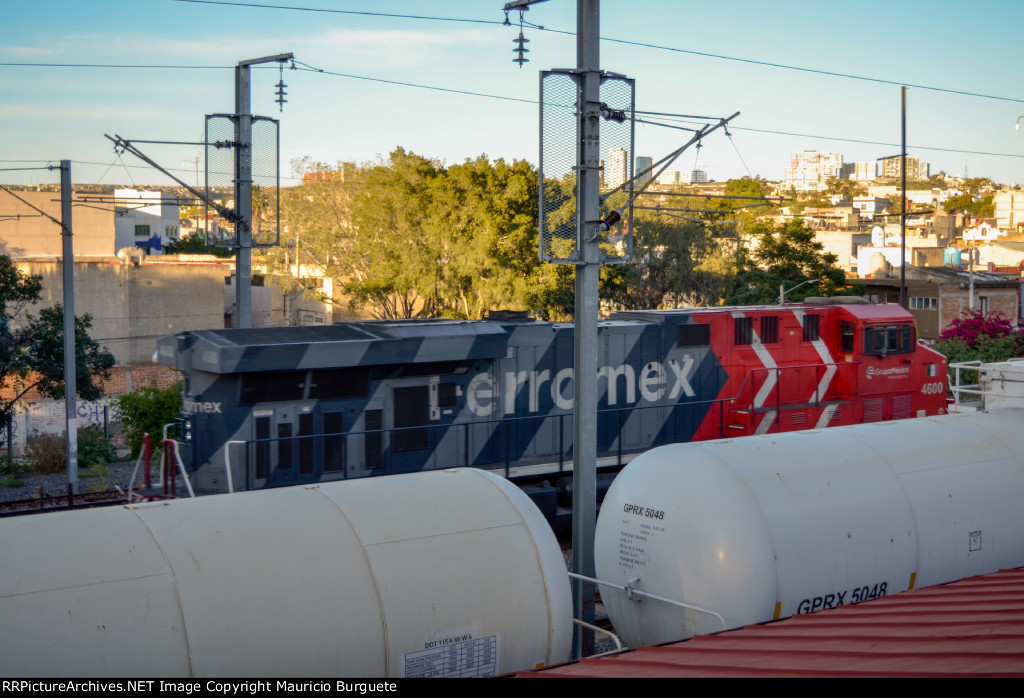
<point>462,656</point>
<point>637,534</point>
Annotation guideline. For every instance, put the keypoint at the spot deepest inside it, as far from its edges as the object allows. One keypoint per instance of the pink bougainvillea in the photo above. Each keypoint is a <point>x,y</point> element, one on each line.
<point>975,325</point>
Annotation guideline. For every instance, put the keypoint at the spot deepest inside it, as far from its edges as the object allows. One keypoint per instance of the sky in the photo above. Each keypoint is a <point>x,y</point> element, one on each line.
<point>708,59</point>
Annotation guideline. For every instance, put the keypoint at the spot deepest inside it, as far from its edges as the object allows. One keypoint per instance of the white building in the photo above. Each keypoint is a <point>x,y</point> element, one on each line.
<point>809,170</point>
<point>915,168</point>
<point>671,178</point>
<point>864,171</point>
<point>147,219</point>
<point>1009,209</point>
<point>616,168</point>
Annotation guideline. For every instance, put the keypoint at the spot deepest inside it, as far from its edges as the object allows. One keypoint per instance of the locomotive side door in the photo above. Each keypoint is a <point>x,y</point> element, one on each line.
<point>274,448</point>
<point>408,425</point>
<point>367,446</point>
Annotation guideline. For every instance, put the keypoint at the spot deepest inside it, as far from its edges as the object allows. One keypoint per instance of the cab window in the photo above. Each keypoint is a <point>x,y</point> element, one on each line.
<point>880,341</point>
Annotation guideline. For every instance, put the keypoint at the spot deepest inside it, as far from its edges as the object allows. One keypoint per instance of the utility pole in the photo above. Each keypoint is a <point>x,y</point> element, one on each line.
<point>588,226</point>
<point>70,380</point>
<point>243,186</point>
<point>903,196</point>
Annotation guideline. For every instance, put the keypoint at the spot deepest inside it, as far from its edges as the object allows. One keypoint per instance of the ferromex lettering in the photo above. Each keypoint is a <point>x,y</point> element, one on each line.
<point>654,382</point>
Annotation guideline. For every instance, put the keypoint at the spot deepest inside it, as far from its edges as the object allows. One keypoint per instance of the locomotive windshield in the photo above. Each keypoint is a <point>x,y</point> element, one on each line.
<point>880,341</point>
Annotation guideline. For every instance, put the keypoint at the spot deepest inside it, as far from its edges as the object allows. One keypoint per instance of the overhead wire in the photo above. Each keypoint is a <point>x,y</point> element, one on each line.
<point>540,27</point>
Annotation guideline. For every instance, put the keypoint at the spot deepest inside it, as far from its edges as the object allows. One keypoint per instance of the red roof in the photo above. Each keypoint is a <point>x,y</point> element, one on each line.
<point>974,627</point>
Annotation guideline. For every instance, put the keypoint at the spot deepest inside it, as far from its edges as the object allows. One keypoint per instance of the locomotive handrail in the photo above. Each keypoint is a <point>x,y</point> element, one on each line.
<point>227,462</point>
<point>502,458</point>
<point>971,388</point>
<point>176,450</point>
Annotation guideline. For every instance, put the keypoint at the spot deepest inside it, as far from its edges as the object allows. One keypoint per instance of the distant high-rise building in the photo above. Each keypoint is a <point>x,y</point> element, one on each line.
<point>698,176</point>
<point>810,170</point>
<point>915,168</point>
<point>644,162</point>
<point>615,170</point>
<point>673,178</point>
<point>864,171</point>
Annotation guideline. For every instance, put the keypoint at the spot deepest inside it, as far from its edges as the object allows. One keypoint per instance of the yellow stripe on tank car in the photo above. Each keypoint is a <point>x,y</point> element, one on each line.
<point>778,610</point>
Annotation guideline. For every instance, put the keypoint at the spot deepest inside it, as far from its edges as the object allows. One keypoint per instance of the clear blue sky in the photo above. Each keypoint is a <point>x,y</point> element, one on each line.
<point>63,112</point>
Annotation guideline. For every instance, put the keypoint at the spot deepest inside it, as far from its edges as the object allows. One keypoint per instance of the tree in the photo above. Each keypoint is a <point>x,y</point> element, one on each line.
<point>979,337</point>
<point>787,255</point>
<point>196,244</point>
<point>408,237</point>
<point>145,411</point>
<point>844,187</point>
<point>32,348</point>
<point>966,203</point>
<point>667,266</point>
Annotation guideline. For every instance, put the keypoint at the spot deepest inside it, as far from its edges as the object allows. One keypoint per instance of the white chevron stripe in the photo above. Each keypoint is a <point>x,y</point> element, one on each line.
<point>826,379</point>
<point>768,362</point>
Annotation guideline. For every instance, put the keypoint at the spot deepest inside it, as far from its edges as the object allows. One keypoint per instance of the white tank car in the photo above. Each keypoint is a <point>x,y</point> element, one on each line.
<point>447,573</point>
<point>764,527</point>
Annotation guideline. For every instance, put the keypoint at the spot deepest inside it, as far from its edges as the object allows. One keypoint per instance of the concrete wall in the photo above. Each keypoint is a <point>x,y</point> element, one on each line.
<point>955,301</point>
<point>133,305</point>
<point>25,233</point>
<point>36,415</point>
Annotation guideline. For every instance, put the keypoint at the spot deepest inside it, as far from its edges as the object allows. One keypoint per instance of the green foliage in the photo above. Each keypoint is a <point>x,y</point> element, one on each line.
<point>966,203</point>
<point>33,354</point>
<point>408,237</point>
<point>788,255</point>
<point>46,355</point>
<point>145,411</point>
<point>47,454</point>
<point>845,187</point>
<point>986,349</point>
<point>94,448</point>
<point>12,473</point>
<point>196,244</point>
<point>978,337</point>
<point>667,266</point>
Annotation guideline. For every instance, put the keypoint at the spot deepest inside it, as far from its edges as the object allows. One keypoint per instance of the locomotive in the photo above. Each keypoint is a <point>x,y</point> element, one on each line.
<point>275,406</point>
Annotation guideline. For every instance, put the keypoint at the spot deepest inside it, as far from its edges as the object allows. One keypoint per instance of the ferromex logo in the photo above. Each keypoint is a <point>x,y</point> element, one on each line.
<point>894,372</point>
<point>653,383</point>
<point>196,407</point>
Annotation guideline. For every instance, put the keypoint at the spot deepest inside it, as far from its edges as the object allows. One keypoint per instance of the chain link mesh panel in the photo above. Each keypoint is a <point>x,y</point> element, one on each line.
<point>559,127</point>
<point>617,153</point>
<point>266,181</point>
<point>558,156</point>
<point>220,178</point>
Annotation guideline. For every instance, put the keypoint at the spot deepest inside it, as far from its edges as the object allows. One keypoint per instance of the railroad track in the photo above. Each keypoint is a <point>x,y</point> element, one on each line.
<point>63,502</point>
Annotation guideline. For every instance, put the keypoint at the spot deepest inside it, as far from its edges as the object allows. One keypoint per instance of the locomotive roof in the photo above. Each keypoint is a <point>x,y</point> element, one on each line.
<point>857,307</point>
<point>369,343</point>
<point>392,342</point>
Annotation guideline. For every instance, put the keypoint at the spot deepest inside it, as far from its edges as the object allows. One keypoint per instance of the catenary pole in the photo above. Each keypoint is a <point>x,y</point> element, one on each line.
<point>243,185</point>
<point>584,492</point>
<point>903,196</point>
<point>243,196</point>
<point>70,379</point>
